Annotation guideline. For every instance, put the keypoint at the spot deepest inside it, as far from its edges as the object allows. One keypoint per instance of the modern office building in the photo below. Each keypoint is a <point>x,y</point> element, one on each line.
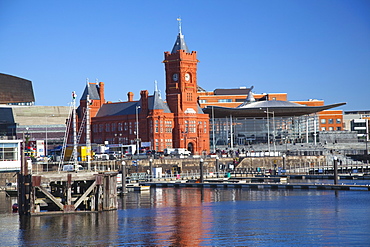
<point>328,120</point>
<point>358,121</point>
<point>264,118</point>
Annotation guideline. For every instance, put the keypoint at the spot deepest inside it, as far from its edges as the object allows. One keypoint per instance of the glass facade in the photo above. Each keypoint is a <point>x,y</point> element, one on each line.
<point>10,155</point>
<point>9,152</point>
<point>246,131</point>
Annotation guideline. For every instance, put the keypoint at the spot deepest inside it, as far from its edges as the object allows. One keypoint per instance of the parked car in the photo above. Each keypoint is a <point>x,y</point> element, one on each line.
<point>101,156</point>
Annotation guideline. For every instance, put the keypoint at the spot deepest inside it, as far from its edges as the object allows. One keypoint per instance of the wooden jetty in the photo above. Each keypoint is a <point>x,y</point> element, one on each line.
<point>66,192</point>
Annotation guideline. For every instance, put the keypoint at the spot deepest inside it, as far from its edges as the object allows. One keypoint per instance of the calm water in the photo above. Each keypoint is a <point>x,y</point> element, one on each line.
<point>203,217</point>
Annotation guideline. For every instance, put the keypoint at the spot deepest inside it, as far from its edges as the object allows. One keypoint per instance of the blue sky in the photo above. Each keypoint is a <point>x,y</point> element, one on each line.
<point>314,49</point>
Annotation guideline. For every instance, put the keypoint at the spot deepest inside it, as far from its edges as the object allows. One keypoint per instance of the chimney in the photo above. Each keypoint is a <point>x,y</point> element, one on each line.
<point>130,96</point>
<point>101,93</point>
<point>144,99</point>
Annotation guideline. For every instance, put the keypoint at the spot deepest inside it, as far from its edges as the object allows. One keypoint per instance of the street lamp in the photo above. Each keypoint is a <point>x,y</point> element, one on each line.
<point>137,129</point>
<point>123,176</point>
<point>46,136</point>
<point>268,128</point>
<point>151,169</point>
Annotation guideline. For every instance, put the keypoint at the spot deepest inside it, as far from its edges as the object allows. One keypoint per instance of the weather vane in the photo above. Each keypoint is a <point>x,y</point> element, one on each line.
<point>179,20</point>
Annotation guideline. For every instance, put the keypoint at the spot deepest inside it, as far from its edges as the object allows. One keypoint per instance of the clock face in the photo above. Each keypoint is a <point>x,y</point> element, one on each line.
<point>175,77</point>
<point>187,77</point>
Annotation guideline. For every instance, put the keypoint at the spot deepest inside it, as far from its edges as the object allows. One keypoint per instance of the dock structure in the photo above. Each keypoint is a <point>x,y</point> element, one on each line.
<point>256,185</point>
<point>67,192</point>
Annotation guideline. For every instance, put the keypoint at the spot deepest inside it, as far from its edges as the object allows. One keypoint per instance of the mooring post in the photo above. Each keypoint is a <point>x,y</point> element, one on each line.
<point>201,170</point>
<point>24,183</point>
<point>335,170</point>
<point>123,177</point>
<point>217,166</point>
<point>68,207</point>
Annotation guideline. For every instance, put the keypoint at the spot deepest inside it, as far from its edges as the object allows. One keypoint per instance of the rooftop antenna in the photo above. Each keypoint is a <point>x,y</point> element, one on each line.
<point>179,20</point>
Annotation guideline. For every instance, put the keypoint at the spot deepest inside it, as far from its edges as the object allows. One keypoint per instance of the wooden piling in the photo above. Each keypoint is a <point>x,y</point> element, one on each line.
<point>67,192</point>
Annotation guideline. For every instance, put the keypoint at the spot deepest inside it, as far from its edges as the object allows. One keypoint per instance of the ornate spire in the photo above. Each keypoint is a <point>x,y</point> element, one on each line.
<point>156,91</point>
<point>180,41</point>
<point>179,20</point>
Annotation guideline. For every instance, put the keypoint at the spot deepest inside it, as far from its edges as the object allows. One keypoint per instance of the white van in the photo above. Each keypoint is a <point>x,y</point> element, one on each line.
<point>71,168</point>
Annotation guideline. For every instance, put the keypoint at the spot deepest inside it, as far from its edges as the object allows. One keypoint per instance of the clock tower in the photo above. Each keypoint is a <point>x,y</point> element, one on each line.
<point>191,124</point>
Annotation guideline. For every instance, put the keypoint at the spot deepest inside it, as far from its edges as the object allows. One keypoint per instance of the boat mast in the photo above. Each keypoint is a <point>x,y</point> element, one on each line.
<point>74,130</point>
<point>88,141</point>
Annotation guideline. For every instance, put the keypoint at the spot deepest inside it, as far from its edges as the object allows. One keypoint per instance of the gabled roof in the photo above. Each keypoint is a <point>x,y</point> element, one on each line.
<point>156,103</point>
<point>93,89</point>
<point>118,109</point>
<point>199,110</point>
<point>129,108</point>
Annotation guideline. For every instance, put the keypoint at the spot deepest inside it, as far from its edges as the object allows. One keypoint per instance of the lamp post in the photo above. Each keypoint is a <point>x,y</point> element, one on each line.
<point>137,130</point>
<point>46,135</point>
<point>268,128</point>
<point>151,170</point>
<point>213,131</point>
<point>366,152</point>
<point>367,136</point>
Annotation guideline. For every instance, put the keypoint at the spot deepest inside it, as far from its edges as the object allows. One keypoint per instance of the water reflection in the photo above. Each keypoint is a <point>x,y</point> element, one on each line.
<point>71,229</point>
<point>198,217</point>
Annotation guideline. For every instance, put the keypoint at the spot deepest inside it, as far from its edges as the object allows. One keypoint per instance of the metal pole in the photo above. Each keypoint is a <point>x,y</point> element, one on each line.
<point>231,133</point>
<point>201,170</point>
<point>268,130</point>
<point>137,131</point>
<point>307,119</point>
<point>217,166</point>
<point>88,141</point>
<point>46,138</point>
<point>213,131</point>
<point>151,170</point>
<point>314,131</point>
<point>74,131</point>
<point>123,177</point>
<point>274,131</point>
<point>335,170</point>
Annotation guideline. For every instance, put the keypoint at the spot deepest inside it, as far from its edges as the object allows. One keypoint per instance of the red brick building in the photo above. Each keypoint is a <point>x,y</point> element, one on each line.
<point>178,122</point>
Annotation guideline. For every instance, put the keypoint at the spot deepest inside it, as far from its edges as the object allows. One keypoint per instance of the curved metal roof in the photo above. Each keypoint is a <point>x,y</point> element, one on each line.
<point>259,108</point>
<point>271,103</point>
<point>15,90</point>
